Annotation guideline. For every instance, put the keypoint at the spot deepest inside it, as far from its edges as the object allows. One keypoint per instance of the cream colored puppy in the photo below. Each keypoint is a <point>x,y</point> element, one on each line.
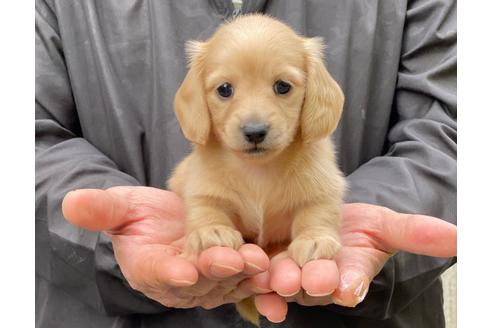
<point>259,105</point>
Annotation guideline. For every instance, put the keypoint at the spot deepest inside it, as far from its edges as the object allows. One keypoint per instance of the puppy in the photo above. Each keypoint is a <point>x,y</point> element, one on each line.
<point>258,104</point>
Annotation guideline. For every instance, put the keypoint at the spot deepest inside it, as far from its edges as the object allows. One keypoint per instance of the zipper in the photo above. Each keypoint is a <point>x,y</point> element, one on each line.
<point>236,13</point>
<point>238,4</point>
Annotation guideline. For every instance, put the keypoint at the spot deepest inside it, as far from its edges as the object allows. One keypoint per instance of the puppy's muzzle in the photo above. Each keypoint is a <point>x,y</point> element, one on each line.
<point>255,133</point>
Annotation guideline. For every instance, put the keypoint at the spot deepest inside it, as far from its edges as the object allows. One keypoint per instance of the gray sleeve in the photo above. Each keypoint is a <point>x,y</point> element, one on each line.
<point>78,261</point>
<point>418,172</point>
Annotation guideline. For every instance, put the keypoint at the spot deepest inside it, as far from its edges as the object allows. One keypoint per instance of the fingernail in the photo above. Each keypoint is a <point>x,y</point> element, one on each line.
<point>222,271</point>
<point>181,282</point>
<point>260,290</point>
<point>361,292</point>
<point>321,294</point>
<point>271,320</point>
<point>254,266</point>
<point>348,279</point>
<point>288,295</point>
<point>358,290</point>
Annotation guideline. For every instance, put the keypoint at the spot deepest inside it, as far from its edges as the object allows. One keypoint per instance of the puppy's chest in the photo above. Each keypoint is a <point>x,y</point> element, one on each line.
<point>265,211</point>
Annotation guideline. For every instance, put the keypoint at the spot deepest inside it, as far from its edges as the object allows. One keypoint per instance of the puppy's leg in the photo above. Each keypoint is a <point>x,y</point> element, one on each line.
<point>315,233</point>
<point>208,224</point>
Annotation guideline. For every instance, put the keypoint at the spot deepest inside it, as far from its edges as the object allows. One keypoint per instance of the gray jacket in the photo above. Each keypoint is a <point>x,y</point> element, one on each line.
<point>106,74</point>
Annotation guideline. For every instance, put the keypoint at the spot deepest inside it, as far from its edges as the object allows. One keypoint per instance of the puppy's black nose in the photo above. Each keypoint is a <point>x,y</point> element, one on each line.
<point>255,132</point>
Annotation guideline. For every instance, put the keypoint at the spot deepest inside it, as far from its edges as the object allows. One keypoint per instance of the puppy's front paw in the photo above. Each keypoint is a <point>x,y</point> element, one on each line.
<point>306,247</point>
<point>202,238</point>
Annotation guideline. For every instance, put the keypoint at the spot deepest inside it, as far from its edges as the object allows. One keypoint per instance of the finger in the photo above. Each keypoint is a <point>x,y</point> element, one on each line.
<point>111,209</point>
<point>94,209</point>
<point>272,306</point>
<point>320,277</point>
<point>201,288</point>
<point>303,298</point>
<point>255,259</point>
<point>152,266</point>
<point>353,289</point>
<point>285,275</point>
<point>357,267</point>
<point>220,262</point>
<point>418,234</point>
<point>258,284</point>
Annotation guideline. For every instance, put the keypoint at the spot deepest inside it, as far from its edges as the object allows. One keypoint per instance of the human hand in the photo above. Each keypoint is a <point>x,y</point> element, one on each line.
<point>146,226</point>
<point>370,235</point>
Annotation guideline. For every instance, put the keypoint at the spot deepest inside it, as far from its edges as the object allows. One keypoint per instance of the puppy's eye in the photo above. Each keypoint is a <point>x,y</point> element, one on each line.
<point>225,90</point>
<point>281,87</point>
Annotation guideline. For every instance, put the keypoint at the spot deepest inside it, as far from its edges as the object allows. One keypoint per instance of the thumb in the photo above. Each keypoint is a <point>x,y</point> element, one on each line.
<point>413,233</point>
<point>419,234</point>
<point>96,209</point>
<point>357,267</point>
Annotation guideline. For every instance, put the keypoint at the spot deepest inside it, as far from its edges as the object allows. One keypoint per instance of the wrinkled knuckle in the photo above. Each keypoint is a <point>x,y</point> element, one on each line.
<point>195,291</point>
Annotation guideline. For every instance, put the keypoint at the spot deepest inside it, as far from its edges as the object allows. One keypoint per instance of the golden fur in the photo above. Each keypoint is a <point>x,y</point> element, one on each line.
<point>290,192</point>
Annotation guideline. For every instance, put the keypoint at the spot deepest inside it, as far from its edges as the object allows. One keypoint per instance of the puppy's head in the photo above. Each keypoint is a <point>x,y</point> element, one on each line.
<point>256,85</point>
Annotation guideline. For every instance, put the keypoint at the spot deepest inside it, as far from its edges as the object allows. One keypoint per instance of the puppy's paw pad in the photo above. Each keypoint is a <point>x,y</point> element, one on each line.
<point>305,249</point>
<point>217,235</point>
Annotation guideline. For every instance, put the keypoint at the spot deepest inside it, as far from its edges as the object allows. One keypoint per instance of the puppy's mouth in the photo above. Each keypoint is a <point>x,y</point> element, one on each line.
<point>255,150</point>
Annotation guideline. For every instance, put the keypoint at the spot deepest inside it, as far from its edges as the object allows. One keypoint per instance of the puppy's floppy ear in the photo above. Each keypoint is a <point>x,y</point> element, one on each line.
<point>190,105</point>
<point>323,102</point>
